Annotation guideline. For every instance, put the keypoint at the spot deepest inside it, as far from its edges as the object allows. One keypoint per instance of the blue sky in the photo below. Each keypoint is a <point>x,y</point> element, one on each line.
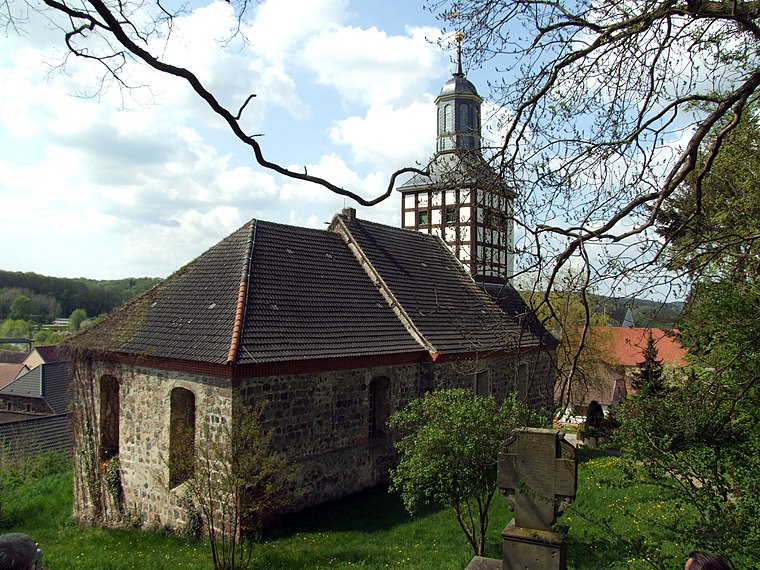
<point>139,183</point>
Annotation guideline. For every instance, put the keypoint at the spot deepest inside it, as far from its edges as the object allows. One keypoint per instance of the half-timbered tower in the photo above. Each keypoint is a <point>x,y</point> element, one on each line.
<point>463,199</point>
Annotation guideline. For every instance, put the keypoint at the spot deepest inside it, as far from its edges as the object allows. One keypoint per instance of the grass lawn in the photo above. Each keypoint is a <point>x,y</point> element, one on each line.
<point>613,524</point>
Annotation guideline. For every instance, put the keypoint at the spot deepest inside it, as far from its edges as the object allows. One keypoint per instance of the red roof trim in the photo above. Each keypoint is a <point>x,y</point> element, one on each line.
<point>238,326</point>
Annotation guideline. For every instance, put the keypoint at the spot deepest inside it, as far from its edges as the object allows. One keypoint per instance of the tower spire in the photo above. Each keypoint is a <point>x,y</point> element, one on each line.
<point>459,37</point>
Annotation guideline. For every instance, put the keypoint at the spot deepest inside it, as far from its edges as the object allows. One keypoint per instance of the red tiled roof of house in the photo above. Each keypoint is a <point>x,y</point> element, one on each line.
<point>627,346</point>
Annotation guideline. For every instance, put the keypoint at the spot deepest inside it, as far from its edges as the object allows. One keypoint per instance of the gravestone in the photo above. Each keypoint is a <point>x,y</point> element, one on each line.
<point>538,473</point>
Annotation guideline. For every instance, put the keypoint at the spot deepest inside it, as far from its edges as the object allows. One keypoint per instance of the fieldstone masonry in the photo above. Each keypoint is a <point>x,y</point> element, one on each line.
<point>538,473</point>
<point>320,419</point>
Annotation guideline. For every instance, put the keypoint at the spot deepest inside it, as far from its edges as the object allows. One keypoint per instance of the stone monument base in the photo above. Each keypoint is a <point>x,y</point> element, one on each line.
<point>534,549</point>
<point>480,563</point>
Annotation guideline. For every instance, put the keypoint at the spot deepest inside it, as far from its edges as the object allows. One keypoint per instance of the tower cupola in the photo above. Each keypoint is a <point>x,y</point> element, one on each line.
<point>458,112</point>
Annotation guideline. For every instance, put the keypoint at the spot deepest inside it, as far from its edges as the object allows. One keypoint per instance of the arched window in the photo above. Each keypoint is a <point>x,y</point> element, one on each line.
<point>181,436</point>
<point>109,417</point>
<point>379,408</point>
<point>482,384</point>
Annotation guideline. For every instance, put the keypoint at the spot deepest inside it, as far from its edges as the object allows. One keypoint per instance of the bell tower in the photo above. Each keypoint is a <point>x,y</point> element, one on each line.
<point>463,199</point>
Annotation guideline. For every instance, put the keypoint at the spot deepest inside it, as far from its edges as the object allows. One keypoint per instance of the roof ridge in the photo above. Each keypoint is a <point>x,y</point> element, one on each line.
<point>339,226</point>
<point>241,304</point>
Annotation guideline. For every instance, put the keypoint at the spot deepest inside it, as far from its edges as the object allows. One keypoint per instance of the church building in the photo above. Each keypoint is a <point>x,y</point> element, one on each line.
<point>333,329</point>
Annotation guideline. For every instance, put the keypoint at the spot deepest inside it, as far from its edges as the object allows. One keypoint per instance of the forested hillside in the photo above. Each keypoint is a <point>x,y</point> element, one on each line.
<point>646,313</point>
<point>52,297</point>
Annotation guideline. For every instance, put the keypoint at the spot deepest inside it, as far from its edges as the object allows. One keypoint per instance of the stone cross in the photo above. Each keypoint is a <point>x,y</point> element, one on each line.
<point>538,473</point>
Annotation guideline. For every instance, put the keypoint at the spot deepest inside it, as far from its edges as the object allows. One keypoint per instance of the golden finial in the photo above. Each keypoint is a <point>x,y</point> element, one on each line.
<point>459,37</point>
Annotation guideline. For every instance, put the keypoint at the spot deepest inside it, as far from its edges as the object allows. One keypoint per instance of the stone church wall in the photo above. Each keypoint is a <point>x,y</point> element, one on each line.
<point>331,424</point>
<point>531,375</point>
<point>143,444</point>
<point>323,421</point>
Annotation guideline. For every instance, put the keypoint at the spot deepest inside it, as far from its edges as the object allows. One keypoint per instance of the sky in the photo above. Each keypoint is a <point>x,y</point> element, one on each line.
<point>105,183</point>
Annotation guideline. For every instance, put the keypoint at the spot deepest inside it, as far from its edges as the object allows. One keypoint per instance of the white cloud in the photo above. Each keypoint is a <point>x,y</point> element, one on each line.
<point>389,137</point>
<point>140,182</point>
<point>370,67</point>
<point>190,236</point>
<point>281,27</point>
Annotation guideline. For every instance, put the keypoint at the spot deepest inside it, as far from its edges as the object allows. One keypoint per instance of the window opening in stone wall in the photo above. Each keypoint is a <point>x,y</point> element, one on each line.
<point>379,408</point>
<point>181,436</point>
<point>482,385</point>
<point>522,382</point>
<point>109,417</point>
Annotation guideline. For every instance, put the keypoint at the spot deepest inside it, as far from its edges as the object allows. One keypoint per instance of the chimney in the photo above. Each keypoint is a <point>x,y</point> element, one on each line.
<point>348,214</point>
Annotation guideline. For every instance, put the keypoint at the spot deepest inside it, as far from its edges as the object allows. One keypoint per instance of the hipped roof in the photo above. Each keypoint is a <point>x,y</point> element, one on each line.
<point>276,293</point>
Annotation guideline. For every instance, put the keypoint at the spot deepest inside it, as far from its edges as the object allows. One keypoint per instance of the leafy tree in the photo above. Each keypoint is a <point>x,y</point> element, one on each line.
<point>648,377</point>
<point>21,308</point>
<point>713,228</point>
<point>702,440</point>
<point>448,448</point>
<point>569,312</point>
<point>238,483</point>
<point>48,338</point>
<point>76,319</point>
<point>16,328</point>
<point>611,104</point>
<point>55,296</point>
<point>43,309</point>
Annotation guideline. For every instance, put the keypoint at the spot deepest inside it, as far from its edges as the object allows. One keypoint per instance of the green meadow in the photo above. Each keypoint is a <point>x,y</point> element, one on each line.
<point>614,523</point>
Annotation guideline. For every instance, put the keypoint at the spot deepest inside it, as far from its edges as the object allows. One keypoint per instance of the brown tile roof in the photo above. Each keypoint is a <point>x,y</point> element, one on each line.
<point>309,298</point>
<point>13,356</point>
<point>190,315</point>
<point>275,293</point>
<point>510,301</point>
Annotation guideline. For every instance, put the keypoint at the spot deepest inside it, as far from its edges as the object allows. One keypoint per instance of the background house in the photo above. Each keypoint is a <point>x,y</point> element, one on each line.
<point>34,404</point>
<point>620,351</point>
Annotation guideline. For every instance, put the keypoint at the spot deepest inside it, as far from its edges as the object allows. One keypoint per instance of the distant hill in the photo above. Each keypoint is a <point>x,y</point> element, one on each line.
<point>93,296</point>
<point>646,313</point>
